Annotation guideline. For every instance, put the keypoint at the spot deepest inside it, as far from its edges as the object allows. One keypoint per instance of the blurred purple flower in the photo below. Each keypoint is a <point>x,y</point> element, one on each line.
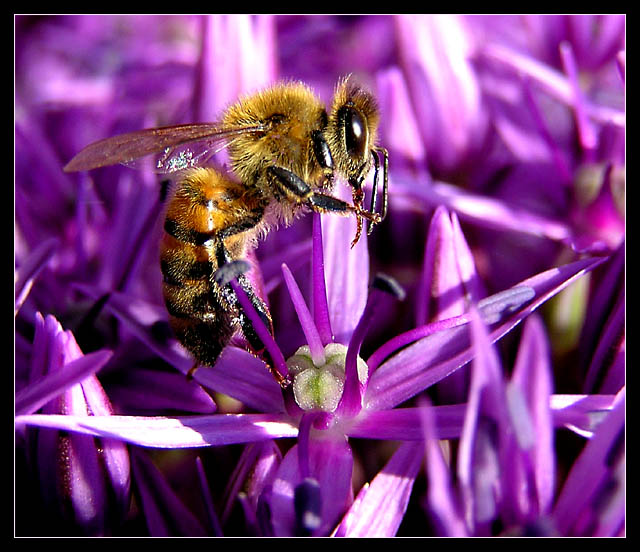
<point>506,137</point>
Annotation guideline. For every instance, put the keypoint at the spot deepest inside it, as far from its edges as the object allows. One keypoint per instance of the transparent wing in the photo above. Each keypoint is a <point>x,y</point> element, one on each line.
<point>180,146</point>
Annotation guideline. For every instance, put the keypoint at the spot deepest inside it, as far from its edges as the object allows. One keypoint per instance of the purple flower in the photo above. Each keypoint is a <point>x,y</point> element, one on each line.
<point>85,482</point>
<point>506,139</point>
<point>333,398</point>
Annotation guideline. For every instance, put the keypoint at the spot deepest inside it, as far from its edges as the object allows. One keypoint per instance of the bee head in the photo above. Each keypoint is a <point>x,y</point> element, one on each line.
<point>351,132</point>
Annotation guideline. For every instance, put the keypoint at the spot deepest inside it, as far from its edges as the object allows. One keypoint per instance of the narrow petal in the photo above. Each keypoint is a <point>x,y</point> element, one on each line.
<point>441,497</point>
<point>380,512</point>
<point>244,377</point>
<point>304,316</point>
<point>165,514</point>
<point>602,301</point>
<point>488,212</point>
<point>346,271</point>
<point>32,397</point>
<point>212,517</point>
<point>241,45</point>
<point>28,271</point>
<point>532,374</point>
<point>482,439</point>
<point>142,391</point>
<point>492,309</point>
<point>550,80</point>
<point>439,271</point>
<point>581,414</point>
<point>400,132</point>
<point>255,472</point>
<point>435,55</point>
<point>179,432</point>
<point>383,291</point>
<point>612,333</point>
<point>330,464</point>
<point>443,287</point>
<point>404,423</point>
<point>319,288</point>
<point>594,485</point>
<point>427,361</point>
<point>586,131</point>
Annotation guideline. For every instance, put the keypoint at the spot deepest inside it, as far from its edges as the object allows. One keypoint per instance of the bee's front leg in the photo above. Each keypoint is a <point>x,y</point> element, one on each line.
<point>293,186</point>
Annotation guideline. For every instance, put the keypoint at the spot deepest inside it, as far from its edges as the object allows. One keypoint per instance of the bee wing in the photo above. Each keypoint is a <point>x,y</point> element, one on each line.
<point>185,156</point>
<point>126,148</point>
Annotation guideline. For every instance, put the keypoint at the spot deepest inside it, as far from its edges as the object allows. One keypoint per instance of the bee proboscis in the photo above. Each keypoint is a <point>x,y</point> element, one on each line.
<point>285,149</point>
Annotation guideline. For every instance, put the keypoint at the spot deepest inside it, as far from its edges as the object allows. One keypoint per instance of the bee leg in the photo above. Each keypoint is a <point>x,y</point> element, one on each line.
<point>385,184</point>
<point>292,184</point>
<point>236,269</point>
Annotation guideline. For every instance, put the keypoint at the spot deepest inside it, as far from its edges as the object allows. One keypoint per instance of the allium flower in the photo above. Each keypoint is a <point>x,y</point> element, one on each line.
<point>439,414</point>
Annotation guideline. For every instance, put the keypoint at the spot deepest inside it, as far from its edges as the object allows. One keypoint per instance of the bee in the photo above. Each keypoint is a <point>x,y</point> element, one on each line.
<point>285,150</point>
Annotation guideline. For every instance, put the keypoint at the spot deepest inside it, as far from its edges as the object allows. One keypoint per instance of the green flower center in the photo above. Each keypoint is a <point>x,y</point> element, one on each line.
<point>319,387</point>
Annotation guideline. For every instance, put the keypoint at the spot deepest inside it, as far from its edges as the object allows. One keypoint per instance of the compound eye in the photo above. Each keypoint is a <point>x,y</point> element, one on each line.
<point>355,133</point>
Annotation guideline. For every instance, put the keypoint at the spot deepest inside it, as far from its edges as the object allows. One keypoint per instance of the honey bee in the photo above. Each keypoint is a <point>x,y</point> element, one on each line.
<point>285,150</point>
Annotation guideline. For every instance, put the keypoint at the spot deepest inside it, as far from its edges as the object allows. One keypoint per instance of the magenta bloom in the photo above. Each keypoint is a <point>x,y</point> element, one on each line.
<point>419,403</point>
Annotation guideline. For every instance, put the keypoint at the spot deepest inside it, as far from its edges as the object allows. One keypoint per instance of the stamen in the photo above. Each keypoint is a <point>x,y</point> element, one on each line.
<point>279,368</point>
<point>320,304</point>
<point>306,321</point>
<point>382,288</point>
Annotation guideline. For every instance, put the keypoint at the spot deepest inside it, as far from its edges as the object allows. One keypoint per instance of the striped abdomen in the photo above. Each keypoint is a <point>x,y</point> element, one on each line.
<point>209,222</point>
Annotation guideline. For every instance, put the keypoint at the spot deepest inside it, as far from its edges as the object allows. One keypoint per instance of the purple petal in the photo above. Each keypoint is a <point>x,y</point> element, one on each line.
<point>380,512</point>
<point>28,271</point>
<point>255,470</point>
<point>240,45</point>
<point>550,80</point>
<point>319,288</point>
<point>541,125</point>
<point>165,514</point>
<point>404,423</point>
<point>141,391</point>
<point>586,132</point>
<point>306,320</point>
<point>179,432</point>
<point>592,498</point>
<point>330,464</point>
<point>483,434</point>
<point>440,276</point>
<point>532,375</point>
<point>113,453</point>
<point>621,60</point>
<point>400,132</point>
<point>435,53</point>
<point>604,297</point>
<point>244,377</point>
<point>36,394</point>
<point>473,285</point>
<point>581,413</point>
<point>486,211</point>
<point>612,335</point>
<point>429,360</point>
<point>346,271</point>
<point>443,286</point>
<point>441,499</point>
<point>214,522</point>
